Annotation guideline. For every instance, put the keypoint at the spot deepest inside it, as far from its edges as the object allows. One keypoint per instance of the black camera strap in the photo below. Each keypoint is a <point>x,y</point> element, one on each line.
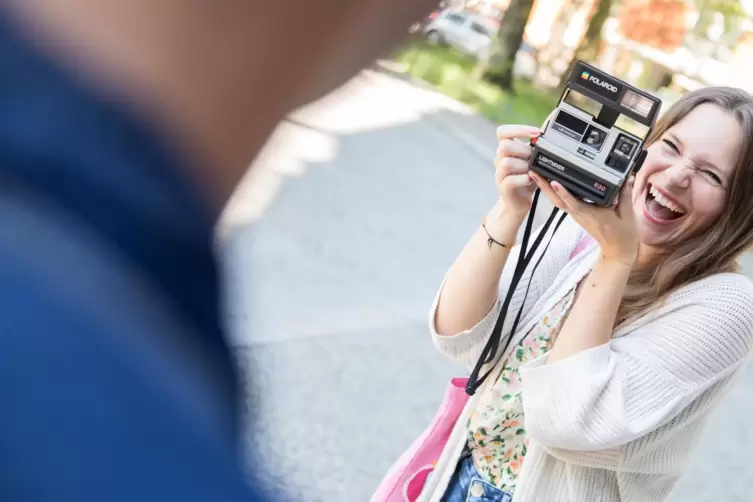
<point>489,352</point>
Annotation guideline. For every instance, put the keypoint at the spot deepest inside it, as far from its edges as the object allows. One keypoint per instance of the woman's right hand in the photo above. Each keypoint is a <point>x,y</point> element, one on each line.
<point>516,188</point>
<point>472,284</point>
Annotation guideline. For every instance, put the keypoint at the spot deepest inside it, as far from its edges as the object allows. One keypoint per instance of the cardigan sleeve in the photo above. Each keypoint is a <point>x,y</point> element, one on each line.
<point>465,347</point>
<point>613,394</point>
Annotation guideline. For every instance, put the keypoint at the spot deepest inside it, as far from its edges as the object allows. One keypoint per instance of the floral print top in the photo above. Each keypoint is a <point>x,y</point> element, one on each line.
<point>496,434</point>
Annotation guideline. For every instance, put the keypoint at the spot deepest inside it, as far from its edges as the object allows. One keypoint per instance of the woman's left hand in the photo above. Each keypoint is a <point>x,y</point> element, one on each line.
<point>614,228</point>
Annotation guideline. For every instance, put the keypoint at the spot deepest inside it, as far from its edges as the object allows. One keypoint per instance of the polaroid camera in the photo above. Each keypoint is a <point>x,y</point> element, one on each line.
<point>591,144</point>
<point>594,139</point>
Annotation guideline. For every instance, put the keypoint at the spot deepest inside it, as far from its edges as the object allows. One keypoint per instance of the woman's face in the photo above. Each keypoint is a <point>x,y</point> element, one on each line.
<point>680,191</point>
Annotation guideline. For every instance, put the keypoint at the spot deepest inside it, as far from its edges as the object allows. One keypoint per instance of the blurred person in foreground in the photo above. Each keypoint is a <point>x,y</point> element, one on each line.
<point>124,128</point>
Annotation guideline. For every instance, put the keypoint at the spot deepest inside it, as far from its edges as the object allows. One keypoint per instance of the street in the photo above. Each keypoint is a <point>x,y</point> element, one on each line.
<point>333,249</point>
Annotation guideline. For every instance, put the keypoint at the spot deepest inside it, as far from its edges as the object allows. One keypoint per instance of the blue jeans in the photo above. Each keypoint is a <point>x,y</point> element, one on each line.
<point>467,485</point>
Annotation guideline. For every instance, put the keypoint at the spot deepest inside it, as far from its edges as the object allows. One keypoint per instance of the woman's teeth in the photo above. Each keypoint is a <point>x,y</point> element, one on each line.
<point>664,201</point>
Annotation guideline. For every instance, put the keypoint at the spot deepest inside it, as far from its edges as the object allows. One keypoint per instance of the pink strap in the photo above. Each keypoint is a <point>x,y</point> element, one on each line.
<point>584,242</point>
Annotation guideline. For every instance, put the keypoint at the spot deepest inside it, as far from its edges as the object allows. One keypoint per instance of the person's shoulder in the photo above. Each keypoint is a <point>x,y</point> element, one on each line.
<point>60,279</point>
<point>61,359</point>
<point>57,283</point>
<point>722,287</point>
<point>726,299</point>
<point>54,258</point>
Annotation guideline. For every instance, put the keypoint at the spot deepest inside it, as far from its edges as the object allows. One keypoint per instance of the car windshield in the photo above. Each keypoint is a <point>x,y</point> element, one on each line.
<point>456,18</point>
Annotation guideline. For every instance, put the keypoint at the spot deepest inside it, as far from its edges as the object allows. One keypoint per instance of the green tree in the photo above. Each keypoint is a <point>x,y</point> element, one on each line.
<point>588,49</point>
<point>510,36</point>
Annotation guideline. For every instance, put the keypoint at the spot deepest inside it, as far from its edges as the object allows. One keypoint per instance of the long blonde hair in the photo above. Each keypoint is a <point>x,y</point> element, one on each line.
<point>717,248</point>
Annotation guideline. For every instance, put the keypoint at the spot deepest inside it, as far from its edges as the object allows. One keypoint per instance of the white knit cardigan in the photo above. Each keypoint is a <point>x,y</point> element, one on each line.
<point>616,422</point>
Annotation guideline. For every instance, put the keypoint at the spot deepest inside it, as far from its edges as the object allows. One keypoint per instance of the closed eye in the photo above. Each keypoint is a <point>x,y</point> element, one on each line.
<point>713,176</point>
<point>671,145</point>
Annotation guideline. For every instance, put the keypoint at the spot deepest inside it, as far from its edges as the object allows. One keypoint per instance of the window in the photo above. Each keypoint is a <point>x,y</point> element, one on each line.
<point>456,18</point>
<point>480,29</point>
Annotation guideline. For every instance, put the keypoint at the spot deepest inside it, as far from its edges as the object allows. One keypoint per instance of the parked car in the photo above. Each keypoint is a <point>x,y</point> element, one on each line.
<point>474,34</point>
<point>491,12</point>
<point>469,33</point>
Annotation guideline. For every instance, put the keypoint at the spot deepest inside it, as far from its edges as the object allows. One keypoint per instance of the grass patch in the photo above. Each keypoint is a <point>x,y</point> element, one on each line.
<point>451,73</point>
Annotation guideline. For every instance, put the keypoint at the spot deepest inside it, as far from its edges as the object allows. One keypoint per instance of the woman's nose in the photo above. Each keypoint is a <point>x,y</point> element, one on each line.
<point>678,174</point>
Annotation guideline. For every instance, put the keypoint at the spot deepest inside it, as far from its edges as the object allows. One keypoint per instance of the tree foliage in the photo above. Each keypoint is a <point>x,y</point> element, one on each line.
<point>658,23</point>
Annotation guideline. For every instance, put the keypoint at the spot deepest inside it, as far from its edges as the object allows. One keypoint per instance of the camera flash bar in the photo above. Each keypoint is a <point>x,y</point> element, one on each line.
<point>615,94</point>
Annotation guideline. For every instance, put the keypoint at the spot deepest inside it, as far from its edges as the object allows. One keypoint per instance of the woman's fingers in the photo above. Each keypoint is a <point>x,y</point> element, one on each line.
<point>572,204</point>
<point>513,148</point>
<point>547,190</point>
<point>511,165</point>
<point>519,180</point>
<point>512,131</point>
<point>512,155</point>
<point>559,195</point>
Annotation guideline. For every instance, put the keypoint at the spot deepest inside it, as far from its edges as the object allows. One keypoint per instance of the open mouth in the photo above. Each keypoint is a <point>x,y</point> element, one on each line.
<point>660,208</point>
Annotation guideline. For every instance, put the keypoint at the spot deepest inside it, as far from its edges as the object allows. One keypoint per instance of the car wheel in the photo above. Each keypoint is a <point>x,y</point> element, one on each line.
<point>434,37</point>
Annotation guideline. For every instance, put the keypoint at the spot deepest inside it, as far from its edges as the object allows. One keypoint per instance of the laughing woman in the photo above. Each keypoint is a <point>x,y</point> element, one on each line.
<point>624,348</point>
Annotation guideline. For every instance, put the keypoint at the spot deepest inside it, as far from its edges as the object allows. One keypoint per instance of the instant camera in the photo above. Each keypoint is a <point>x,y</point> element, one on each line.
<point>594,139</point>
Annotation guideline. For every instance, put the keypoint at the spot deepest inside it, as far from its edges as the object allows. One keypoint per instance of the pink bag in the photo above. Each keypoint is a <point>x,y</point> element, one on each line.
<point>406,478</point>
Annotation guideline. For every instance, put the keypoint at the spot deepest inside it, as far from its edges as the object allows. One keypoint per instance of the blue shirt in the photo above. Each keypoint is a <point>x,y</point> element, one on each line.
<point>116,382</point>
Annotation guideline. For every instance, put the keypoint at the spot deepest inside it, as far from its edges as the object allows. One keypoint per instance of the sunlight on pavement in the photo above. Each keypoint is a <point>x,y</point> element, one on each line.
<point>287,153</point>
<point>369,102</point>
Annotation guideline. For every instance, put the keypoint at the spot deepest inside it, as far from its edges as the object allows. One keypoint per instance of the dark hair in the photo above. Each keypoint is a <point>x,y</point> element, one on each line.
<point>716,248</point>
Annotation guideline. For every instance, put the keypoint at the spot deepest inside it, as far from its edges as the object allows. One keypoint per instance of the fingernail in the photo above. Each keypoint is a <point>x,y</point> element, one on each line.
<point>556,186</point>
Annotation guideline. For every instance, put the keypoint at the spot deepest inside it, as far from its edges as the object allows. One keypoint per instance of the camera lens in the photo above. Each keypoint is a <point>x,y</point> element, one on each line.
<point>625,146</point>
<point>594,138</point>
